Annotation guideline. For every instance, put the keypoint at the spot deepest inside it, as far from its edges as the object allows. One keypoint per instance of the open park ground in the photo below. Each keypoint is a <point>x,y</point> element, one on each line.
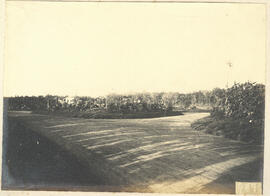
<point>162,155</point>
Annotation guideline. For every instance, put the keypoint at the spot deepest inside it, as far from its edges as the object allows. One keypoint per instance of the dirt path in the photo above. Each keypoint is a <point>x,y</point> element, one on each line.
<point>152,155</point>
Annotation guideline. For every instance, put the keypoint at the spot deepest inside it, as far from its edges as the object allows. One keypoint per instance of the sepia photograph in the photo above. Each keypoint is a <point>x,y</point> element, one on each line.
<point>134,97</point>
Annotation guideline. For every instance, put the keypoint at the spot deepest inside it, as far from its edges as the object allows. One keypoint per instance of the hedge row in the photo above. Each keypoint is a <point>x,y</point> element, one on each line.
<point>241,101</point>
<point>140,102</point>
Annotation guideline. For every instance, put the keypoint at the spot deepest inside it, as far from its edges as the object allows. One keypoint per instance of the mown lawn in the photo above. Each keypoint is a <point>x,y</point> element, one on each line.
<point>141,155</point>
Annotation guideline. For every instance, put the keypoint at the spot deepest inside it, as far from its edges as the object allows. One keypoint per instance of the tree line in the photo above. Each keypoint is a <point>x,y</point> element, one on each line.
<point>117,103</point>
<point>241,100</point>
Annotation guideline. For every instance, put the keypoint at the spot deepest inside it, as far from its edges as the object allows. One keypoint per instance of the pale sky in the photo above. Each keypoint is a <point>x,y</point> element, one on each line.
<point>87,48</point>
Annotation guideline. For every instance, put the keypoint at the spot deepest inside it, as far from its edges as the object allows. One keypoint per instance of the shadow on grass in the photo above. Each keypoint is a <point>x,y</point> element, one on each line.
<point>31,161</point>
<point>226,183</point>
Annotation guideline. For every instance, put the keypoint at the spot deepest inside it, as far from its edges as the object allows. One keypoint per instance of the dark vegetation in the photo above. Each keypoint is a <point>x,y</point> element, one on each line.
<point>103,114</point>
<point>238,115</point>
<point>140,105</point>
<point>236,112</point>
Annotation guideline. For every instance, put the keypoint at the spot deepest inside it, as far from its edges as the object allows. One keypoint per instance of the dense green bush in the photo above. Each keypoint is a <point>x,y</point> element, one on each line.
<point>238,113</point>
<point>245,101</point>
<point>241,101</point>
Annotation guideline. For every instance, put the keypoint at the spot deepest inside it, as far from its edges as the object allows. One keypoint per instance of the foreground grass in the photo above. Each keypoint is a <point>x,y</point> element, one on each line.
<point>163,155</point>
<point>32,161</point>
<point>236,129</point>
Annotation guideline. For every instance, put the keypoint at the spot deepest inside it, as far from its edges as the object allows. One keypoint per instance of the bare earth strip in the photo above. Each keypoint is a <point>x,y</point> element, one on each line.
<point>149,155</point>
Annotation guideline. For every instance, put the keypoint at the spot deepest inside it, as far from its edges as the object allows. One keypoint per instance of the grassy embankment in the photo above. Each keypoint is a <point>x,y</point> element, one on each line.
<point>104,114</point>
<point>34,162</point>
<point>111,115</point>
<point>236,129</point>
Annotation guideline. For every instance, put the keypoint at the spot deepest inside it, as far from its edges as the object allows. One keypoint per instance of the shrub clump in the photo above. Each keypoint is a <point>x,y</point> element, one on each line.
<point>238,114</point>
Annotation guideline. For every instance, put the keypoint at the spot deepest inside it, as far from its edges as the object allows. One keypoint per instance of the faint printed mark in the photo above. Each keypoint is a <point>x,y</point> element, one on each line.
<point>248,188</point>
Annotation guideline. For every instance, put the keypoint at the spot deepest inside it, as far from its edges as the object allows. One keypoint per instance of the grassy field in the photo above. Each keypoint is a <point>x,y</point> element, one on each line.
<point>147,155</point>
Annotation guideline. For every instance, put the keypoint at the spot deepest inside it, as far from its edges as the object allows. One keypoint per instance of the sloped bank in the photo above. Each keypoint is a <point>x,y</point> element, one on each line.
<point>31,161</point>
<point>236,129</point>
<point>111,115</point>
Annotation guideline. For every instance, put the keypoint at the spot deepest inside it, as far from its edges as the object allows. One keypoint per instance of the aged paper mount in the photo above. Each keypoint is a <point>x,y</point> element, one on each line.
<point>242,188</point>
